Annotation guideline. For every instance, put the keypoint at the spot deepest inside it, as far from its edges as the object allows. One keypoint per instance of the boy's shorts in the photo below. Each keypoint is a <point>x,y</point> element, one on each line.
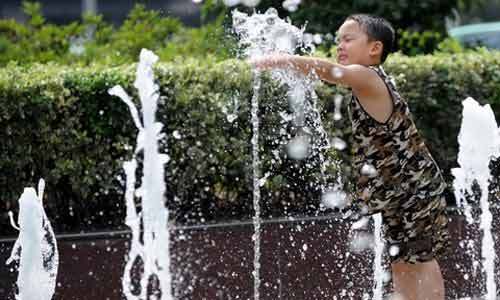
<point>419,232</point>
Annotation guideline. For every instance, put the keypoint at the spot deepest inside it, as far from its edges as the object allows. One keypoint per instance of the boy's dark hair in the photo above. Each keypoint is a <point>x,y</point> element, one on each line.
<point>378,29</point>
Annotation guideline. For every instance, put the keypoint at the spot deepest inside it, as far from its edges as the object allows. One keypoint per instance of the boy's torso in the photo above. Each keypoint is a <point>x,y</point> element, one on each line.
<point>396,150</point>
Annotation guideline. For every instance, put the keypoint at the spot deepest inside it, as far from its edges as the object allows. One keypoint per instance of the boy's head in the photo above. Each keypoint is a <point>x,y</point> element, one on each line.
<point>364,39</point>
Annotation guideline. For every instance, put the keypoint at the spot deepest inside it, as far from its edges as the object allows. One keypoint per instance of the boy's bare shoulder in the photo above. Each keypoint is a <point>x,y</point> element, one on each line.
<point>373,94</point>
<point>362,79</point>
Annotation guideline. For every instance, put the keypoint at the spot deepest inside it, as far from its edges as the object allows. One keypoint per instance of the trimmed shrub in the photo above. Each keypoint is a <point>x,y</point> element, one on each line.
<point>59,123</point>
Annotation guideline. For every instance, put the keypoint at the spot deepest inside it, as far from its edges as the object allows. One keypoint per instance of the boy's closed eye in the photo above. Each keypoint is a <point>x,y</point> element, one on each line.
<point>345,38</point>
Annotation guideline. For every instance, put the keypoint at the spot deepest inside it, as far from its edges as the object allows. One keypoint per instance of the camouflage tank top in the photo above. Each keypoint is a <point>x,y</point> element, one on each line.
<point>404,168</point>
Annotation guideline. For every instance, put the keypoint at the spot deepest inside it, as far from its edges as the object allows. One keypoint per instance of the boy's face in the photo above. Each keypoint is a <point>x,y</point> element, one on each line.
<point>354,46</point>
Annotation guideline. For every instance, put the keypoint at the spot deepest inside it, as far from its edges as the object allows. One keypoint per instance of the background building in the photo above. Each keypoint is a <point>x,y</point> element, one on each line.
<point>64,11</point>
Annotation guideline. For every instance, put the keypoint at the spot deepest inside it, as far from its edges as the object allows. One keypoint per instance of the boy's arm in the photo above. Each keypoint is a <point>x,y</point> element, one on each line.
<point>361,79</point>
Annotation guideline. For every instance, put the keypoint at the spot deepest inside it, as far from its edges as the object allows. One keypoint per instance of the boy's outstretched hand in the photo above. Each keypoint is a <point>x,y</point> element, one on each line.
<point>364,82</point>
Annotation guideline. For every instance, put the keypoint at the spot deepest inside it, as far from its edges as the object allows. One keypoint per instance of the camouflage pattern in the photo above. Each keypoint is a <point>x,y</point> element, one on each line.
<point>407,188</point>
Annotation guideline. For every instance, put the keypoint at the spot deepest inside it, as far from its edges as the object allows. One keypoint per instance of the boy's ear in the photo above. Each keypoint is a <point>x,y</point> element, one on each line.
<point>376,48</point>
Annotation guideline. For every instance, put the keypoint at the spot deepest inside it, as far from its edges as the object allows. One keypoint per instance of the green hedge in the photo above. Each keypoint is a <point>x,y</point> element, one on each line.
<point>59,123</point>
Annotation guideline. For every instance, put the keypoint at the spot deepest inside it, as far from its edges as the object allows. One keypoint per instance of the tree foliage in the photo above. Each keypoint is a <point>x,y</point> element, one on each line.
<point>409,18</point>
<point>93,40</point>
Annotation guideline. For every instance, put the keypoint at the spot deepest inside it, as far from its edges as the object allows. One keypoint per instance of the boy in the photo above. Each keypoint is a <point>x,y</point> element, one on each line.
<point>408,188</point>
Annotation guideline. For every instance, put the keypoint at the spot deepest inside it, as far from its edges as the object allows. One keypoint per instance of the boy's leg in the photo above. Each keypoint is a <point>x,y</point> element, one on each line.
<point>420,281</point>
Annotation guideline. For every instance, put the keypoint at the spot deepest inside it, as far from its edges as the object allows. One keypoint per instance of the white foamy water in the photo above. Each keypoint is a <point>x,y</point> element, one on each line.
<point>35,248</point>
<point>479,141</point>
<point>379,271</point>
<point>153,251</point>
<point>256,183</point>
<point>266,33</point>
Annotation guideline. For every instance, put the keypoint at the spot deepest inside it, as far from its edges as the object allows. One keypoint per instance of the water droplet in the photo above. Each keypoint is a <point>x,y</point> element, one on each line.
<point>386,276</point>
<point>338,143</point>
<point>338,103</point>
<point>176,134</point>
<point>291,5</point>
<point>337,116</point>
<point>318,39</point>
<point>393,250</point>
<point>298,148</point>
<point>368,170</point>
<point>272,11</point>
<point>337,72</point>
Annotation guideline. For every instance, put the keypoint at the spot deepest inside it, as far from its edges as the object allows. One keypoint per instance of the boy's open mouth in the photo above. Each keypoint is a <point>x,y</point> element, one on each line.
<point>341,57</point>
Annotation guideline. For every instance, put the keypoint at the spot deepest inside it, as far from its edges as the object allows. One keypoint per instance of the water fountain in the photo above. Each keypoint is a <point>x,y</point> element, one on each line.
<point>474,157</point>
<point>35,249</point>
<point>151,245</point>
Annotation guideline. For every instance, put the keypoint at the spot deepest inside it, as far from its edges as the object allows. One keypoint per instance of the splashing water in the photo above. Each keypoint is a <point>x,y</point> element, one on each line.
<point>262,34</point>
<point>35,248</point>
<point>474,156</point>
<point>154,249</point>
<point>290,5</point>
<point>266,33</point>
